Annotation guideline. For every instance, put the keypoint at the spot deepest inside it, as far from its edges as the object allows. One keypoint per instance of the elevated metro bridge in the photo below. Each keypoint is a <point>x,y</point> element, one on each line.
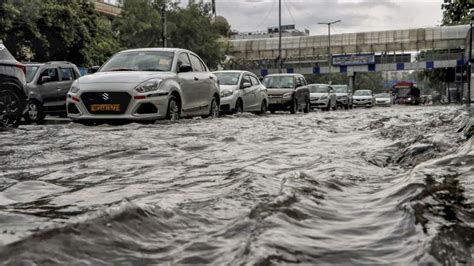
<point>308,54</point>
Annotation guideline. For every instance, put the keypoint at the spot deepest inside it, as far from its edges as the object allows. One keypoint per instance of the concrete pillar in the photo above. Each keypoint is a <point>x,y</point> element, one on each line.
<point>352,80</point>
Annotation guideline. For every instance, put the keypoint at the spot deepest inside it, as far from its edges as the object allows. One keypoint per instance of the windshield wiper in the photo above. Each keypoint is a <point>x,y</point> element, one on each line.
<point>121,69</point>
<point>153,69</point>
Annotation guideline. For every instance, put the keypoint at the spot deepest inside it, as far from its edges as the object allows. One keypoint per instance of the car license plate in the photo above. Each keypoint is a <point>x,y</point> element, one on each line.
<point>105,107</point>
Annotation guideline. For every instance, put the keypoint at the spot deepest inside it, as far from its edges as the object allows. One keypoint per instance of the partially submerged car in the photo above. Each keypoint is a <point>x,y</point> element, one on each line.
<point>287,92</point>
<point>363,98</point>
<point>145,85</point>
<point>13,91</point>
<point>48,86</point>
<point>383,99</point>
<point>241,91</point>
<point>322,97</point>
<point>343,95</point>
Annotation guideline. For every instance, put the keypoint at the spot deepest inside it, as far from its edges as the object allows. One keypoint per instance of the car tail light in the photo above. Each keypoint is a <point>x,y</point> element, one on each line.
<point>21,67</point>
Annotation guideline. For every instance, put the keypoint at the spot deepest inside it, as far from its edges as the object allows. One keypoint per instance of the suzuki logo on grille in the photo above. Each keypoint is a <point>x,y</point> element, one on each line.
<point>105,96</point>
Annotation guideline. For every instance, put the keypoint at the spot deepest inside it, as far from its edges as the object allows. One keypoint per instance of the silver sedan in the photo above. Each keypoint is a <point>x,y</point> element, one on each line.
<point>146,85</point>
<point>241,91</point>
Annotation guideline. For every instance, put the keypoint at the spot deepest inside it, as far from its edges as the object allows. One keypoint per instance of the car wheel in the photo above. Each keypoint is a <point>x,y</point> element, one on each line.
<point>214,113</point>
<point>35,113</point>
<point>263,108</point>
<point>294,107</point>
<point>272,111</point>
<point>307,107</point>
<point>239,107</point>
<point>174,111</point>
<point>11,108</point>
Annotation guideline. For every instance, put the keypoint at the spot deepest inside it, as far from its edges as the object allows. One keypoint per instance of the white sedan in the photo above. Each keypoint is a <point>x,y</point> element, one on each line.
<point>241,91</point>
<point>383,99</point>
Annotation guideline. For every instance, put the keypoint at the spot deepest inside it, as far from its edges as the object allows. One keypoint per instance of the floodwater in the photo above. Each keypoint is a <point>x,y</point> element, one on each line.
<point>367,186</point>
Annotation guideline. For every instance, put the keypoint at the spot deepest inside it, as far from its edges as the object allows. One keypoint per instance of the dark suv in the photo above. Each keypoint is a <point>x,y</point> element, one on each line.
<point>48,84</point>
<point>287,92</point>
<point>13,93</point>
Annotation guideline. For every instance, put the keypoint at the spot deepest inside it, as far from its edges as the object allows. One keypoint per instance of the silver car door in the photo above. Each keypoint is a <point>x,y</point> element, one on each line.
<point>67,77</point>
<point>202,83</point>
<point>247,95</point>
<point>187,81</point>
<point>49,90</point>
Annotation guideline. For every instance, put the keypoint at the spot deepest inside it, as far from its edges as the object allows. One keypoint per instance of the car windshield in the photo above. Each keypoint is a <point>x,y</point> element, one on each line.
<point>278,82</point>
<point>339,88</point>
<point>382,95</point>
<point>404,92</point>
<point>362,93</point>
<point>140,61</point>
<point>228,78</point>
<point>30,73</point>
<point>318,88</point>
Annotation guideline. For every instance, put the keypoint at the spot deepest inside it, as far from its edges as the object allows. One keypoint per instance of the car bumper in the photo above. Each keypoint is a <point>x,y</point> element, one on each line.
<point>369,104</point>
<point>343,101</point>
<point>319,103</point>
<point>383,103</point>
<point>279,103</point>
<point>228,104</point>
<point>149,108</point>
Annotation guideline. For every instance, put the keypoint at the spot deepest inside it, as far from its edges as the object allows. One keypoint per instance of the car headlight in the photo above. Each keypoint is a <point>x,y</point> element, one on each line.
<point>409,99</point>
<point>226,93</point>
<point>288,95</point>
<point>149,85</point>
<point>74,89</point>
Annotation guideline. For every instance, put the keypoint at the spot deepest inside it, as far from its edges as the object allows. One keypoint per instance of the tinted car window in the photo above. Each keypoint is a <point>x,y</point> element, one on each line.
<point>52,73</point>
<point>31,72</point>
<point>196,63</point>
<point>254,80</point>
<point>183,59</point>
<point>67,74</point>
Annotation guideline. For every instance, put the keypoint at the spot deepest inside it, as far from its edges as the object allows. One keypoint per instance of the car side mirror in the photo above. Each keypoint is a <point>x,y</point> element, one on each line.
<point>93,69</point>
<point>45,79</point>
<point>246,85</point>
<point>185,68</point>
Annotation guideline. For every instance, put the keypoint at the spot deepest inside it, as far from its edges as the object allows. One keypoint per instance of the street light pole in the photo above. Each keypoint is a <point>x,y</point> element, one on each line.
<point>329,47</point>
<point>279,36</point>
<point>469,73</point>
<point>163,24</point>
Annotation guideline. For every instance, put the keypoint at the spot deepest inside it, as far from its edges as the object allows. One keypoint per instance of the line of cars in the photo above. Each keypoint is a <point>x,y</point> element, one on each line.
<point>158,83</point>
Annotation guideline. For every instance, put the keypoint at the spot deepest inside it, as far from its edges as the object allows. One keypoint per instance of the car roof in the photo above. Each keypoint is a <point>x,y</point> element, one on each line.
<point>48,63</point>
<point>156,49</point>
<point>284,75</point>
<point>320,84</point>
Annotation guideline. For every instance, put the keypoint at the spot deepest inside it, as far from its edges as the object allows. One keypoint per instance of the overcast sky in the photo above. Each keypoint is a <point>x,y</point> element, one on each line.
<point>356,15</point>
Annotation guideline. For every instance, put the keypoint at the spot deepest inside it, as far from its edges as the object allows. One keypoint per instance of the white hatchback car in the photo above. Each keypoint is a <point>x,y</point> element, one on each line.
<point>241,91</point>
<point>322,96</point>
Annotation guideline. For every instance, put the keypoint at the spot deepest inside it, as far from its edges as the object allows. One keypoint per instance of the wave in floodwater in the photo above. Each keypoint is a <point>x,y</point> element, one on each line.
<point>378,186</point>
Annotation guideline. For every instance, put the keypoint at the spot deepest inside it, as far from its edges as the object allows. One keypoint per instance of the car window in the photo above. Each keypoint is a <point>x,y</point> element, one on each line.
<point>196,63</point>
<point>254,80</point>
<point>140,61</point>
<point>31,72</point>
<point>52,73</point>
<point>246,78</point>
<point>67,74</point>
<point>299,82</point>
<point>203,65</point>
<point>183,58</point>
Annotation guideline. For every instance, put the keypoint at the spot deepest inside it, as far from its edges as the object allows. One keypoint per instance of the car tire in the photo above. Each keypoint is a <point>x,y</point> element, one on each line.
<point>35,113</point>
<point>11,107</point>
<point>263,108</point>
<point>174,110</point>
<point>294,107</point>
<point>239,107</point>
<point>214,112</point>
<point>307,107</point>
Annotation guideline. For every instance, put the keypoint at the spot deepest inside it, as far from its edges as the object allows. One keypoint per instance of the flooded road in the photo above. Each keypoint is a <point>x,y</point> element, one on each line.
<point>367,186</point>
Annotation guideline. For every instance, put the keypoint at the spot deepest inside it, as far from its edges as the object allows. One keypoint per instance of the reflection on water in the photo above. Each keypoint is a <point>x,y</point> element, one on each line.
<point>346,187</point>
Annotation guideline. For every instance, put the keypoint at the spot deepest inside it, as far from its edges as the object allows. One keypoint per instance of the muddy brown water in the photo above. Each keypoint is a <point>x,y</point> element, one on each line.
<point>367,186</point>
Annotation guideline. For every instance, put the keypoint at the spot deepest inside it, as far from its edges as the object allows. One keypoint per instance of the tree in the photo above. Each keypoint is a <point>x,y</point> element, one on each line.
<point>456,12</point>
<point>139,24</point>
<point>45,30</point>
<point>222,26</point>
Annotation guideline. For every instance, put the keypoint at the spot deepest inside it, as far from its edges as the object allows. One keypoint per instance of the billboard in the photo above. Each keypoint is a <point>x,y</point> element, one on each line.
<point>353,59</point>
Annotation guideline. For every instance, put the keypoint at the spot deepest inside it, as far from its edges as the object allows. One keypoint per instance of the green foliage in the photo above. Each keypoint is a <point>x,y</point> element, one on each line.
<point>44,30</point>
<point>456,12</point>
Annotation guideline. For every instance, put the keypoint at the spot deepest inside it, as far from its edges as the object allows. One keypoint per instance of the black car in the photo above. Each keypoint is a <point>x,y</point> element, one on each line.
<point>48,85</point>
<point>13,92</point>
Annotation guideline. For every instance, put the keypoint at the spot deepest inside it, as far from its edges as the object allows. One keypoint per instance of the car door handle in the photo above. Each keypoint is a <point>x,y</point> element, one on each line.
<point>211,77</point>
<point>196,78</point>
<point>58,88</point>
